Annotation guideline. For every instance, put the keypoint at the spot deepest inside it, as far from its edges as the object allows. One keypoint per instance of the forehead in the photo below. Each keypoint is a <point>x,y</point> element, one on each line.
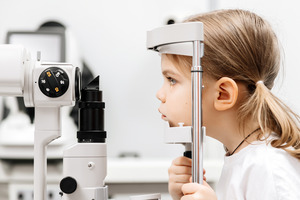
<point>181,63</point>
<point>166,63</point>
<point>169,67</point>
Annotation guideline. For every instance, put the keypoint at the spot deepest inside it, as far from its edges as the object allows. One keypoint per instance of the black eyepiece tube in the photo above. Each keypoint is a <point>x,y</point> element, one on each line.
<point>91,114</point>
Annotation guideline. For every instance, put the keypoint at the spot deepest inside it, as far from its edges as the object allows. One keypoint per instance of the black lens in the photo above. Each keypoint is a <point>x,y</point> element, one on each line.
<point>91,114</point>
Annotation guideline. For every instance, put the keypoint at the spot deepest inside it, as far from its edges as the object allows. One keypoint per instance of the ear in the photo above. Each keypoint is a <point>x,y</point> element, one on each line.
<point>227,93</point>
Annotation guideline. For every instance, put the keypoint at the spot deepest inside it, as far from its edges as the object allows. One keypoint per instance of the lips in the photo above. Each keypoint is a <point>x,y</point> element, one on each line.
<point>164,117</point>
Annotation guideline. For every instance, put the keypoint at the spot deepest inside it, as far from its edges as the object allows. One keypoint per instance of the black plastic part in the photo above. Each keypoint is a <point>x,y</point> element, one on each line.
<point>53,82</point>
<point>77,83</point>
<point>68,185</point>
<point>91,114</point>
<point>86,77</point>
<point>171,21</point>
<point>187,154</point>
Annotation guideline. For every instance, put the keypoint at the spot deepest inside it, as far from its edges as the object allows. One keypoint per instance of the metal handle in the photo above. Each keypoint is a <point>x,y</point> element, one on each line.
<point>197,155</point>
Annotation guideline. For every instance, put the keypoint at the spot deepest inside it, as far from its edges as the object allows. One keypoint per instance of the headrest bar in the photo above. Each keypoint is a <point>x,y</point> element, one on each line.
<point>185,32</point>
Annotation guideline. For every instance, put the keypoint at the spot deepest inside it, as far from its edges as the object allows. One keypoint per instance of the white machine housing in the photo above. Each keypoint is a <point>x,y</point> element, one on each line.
<point>87,164</point>
<point>20,77</point>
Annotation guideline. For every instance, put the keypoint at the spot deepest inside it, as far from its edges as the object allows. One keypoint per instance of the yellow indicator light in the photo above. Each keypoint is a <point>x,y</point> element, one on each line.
<point>49,74</point>
<point>56,89</point>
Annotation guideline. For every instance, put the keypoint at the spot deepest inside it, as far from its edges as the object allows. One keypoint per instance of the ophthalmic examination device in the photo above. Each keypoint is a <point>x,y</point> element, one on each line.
<point>48,86</point>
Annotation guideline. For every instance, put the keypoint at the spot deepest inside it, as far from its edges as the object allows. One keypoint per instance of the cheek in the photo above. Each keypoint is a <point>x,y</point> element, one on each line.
<point>182,115</point>
<point>188,115</point>
<point>184,110</point>
<point>179,105</point>
<point>208,111</point>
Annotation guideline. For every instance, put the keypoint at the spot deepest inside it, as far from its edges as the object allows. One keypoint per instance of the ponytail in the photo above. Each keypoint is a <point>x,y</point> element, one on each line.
<point>273,116</point>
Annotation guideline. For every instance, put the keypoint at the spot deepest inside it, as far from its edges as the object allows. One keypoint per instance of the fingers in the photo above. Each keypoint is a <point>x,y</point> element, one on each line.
<point>178,170</point>
<point>193,197</point>
<point>195,191</point>
<point>179,179</point>
<point>181,170</point>
<point>175,189</point>
<point>190,188</point>
<point>207,185</point>
<point>182,161</point>
<point>182,166</point>
<point>179,174</point>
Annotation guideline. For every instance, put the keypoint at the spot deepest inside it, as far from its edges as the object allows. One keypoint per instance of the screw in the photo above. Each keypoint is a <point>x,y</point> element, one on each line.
<point>91,165</point>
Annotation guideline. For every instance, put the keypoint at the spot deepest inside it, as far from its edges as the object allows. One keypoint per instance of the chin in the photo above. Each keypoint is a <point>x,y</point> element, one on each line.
<point>171,124</point>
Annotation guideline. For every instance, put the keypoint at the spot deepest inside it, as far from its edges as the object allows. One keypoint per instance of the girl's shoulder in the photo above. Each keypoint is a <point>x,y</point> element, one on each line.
<point>270,154</point>
<point>260,171</point>
<point>276,167</point>
<point>270,158</point>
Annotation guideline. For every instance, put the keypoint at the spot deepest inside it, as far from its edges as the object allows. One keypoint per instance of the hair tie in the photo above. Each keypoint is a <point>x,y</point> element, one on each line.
<point>259,82</point>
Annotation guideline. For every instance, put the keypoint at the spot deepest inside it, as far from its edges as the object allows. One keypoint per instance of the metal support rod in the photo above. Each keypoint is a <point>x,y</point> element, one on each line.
<point>197,155</point>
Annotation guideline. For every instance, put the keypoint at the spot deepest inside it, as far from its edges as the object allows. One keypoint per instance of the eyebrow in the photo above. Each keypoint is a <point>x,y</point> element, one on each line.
<point>168,72</point>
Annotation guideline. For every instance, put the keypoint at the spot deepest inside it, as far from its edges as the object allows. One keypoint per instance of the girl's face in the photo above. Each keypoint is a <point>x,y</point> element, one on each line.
<point>176,100</point>
<point>219,100</point>
<point>175,95</point>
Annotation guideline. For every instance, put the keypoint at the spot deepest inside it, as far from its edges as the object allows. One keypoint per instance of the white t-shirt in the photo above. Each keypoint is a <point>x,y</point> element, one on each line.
<point>260,172</point>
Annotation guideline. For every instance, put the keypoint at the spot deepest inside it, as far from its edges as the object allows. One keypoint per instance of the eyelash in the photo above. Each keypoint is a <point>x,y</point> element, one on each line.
<point>171,80</point>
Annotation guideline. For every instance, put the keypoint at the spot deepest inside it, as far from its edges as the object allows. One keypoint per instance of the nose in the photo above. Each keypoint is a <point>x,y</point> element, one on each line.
<point>160,95</point>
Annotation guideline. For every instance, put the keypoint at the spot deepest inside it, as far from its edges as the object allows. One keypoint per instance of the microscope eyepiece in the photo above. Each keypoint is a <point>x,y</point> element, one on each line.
<point>91,114</point>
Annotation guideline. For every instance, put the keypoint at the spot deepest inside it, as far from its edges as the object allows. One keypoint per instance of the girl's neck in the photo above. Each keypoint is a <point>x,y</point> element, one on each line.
<point>245,142</point>
<point>235,140</point>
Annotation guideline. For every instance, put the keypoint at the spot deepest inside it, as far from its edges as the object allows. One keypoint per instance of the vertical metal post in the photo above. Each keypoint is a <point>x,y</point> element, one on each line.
<point>197,155</point>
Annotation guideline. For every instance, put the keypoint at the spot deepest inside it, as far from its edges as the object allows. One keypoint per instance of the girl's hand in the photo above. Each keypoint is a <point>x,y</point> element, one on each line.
<point>180,174</point>
<point>195,191</point>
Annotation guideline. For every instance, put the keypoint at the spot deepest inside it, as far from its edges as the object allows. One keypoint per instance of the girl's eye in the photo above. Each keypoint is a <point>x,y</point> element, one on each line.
<point>172,81</point>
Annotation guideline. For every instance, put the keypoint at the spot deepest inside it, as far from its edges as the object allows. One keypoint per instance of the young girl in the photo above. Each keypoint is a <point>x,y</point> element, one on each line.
<point>261,134</point>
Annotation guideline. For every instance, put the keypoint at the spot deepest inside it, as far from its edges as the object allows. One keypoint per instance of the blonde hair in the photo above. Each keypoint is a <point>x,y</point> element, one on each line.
<point>241,45</point>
